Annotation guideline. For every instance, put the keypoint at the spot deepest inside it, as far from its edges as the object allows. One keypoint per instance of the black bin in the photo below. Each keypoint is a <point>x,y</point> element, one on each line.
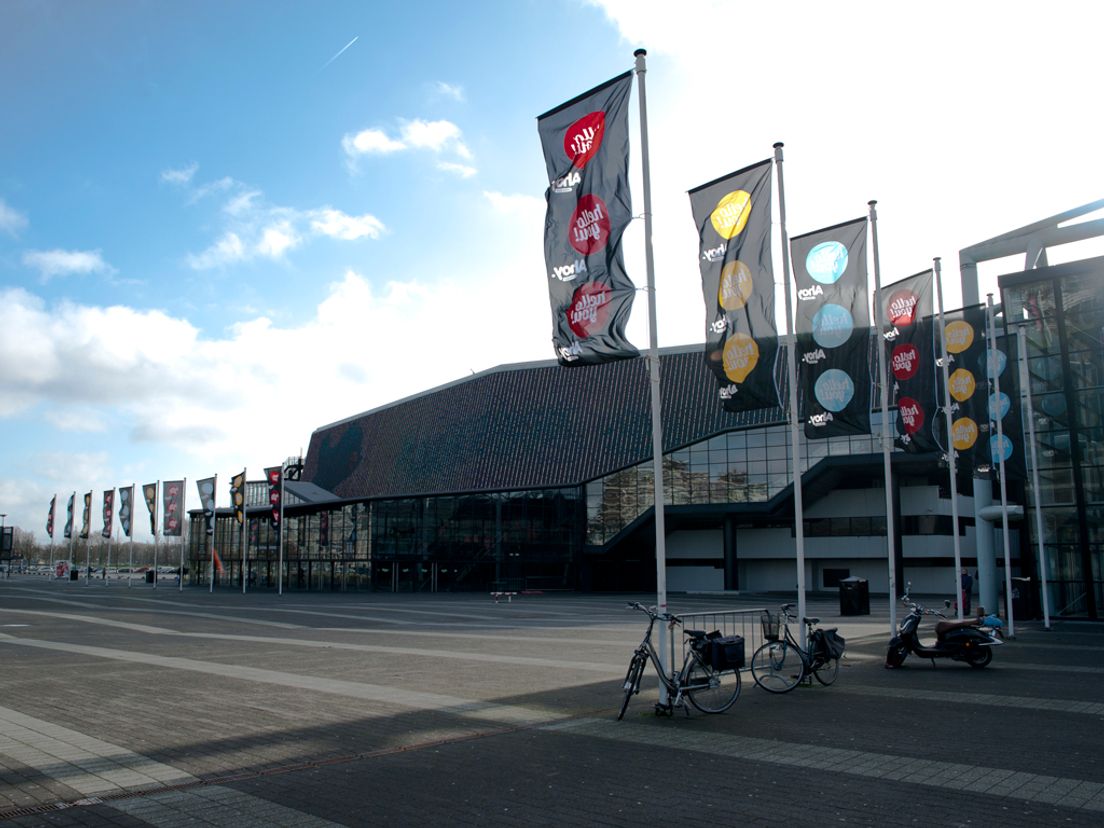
<point>74,574</point>
<point>854,596</point>
<point>151,576</point>
<point>1024,605</point>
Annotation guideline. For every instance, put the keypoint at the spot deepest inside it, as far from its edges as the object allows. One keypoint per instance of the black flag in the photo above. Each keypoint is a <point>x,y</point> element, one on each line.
<point>909,343</point>
<point>733,218</point>
<point>833,320</point>
<point>586,155</point>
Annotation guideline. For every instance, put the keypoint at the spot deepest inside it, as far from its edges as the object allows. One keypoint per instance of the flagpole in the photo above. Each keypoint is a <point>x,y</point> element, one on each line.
<point>244,528</point>
<point>156,497</point>
<point>130,545</point>
<point>185,527</point>
<point>795,438</point>
<point>950,436</point>
<point>280,533</point>
<point>88,544</point>
<point>211,527</point>
<point>995,412</point>
<point>653,365</point>
<point>887,463</point>
<point>69,519</point>
<point>53,520</point>
<point>1025,388</point>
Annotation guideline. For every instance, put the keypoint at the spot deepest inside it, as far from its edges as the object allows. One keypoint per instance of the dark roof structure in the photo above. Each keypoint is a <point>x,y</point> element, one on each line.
<point>528,426</point>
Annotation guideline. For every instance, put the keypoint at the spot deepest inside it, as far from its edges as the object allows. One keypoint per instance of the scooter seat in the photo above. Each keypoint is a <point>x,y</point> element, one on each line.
<point>944,627</point>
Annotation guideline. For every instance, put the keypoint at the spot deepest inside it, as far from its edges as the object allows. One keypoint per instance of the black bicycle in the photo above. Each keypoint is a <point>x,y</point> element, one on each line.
<point>709,677</point>
<point>780,664</point>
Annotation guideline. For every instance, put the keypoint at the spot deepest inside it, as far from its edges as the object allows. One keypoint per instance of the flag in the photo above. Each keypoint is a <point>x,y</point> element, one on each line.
<point>207,502</point>
<point>108,513</point>
<point>68,530</point>
<point>50,517</point>
<point>274,475</point>
<point>832,323</point>
<point>1006,408</point>
<point>964,340</point>
<point>586,154</point>
<point>237,496</point>
<point>733,218</point>
<point>219,568</point>
<point>172,507</point>
<point>906,307</point>
<point>149,492</point>
<point>126,509</point>
<point>87,518</point>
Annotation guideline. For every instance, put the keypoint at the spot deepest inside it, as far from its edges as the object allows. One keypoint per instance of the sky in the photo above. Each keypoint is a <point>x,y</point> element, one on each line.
<point>224,225</point>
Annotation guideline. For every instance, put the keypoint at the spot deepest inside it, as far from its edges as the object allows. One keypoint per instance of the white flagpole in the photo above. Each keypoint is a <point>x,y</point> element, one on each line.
<point>69,517</point>
<point>185,527</point>
<point>993,403</point>
<point>950,437</point>
<point>795,437</point>
<point>88,546</point>
<point>130,545</point>
<point>1025,389</point>
<point>53,531</point>
<point>658,498</point>
<point>214,518</point>
<point>887,440</point>
<point>157,492</point>
<point>245,530</point>
<point>280,533</point>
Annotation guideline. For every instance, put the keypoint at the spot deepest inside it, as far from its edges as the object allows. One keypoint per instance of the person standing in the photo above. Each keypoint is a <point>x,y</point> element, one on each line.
<point>967,591</point>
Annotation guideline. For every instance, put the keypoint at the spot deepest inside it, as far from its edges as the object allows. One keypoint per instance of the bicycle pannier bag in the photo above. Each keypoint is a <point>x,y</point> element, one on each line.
<point>832,643</point>
<point>727,653</point>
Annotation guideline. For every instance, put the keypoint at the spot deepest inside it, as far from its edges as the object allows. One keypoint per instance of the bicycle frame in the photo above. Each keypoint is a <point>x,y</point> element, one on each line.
<point>675,683</point>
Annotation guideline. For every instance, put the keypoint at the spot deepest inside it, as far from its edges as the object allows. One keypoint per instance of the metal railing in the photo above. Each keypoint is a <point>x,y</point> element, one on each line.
<point>744,622</point>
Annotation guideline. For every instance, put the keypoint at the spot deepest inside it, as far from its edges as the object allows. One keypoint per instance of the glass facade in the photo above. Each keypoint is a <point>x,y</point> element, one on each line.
<point>1059,311</point>
<point>750,466</point>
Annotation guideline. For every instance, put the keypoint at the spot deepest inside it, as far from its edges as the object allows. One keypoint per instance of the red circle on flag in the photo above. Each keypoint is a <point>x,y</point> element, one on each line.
<point>901,310</point>
<point>584,137</point>
<point>912,414</point>
<point>589,310</point>
<point>905,361</point>
<point>590,225</point>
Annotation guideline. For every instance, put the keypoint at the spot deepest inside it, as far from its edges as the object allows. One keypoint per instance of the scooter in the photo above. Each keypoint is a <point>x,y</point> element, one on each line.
<point>958,640</point>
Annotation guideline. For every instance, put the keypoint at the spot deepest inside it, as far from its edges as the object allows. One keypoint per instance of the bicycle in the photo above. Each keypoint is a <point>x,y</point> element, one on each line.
<point>780,664</point>
<point>708,689</point>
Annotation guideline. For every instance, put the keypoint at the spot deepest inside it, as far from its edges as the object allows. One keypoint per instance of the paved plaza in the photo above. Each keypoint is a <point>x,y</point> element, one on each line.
<point>137,706</point>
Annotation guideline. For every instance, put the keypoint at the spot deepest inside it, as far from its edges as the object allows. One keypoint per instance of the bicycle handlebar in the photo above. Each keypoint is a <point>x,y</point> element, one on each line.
<point>651,613</point>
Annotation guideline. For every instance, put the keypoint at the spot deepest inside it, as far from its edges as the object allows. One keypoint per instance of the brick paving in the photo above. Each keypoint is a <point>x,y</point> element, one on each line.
<point>157,707</point>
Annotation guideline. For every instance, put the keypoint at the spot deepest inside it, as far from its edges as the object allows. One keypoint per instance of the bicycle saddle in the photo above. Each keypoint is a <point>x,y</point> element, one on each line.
<point>695,634</point>
<point>811,620</point>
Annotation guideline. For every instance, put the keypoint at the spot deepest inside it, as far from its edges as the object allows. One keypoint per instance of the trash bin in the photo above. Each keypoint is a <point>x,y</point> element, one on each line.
<point>151,576</point>
<point>1024,605</point>
<point>74,574</point>
<point>854,596</point>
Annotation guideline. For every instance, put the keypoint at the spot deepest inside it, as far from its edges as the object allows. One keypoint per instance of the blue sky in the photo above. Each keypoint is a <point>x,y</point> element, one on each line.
<point>219,231</point>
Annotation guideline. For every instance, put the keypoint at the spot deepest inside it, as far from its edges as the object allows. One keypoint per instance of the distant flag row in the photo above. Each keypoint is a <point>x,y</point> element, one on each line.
<point>172,504</point>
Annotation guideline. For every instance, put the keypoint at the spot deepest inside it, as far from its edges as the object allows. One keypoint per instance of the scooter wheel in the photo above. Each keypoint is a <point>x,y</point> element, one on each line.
<point>896,656</point>
<point>980,657</point>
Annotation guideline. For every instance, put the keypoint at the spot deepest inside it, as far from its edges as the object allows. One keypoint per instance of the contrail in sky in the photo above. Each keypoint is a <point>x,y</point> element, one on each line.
<point>340,53</point>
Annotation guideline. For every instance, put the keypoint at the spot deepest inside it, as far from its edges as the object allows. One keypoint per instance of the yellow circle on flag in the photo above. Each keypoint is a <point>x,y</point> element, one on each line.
<point>962,385</point>
<point>741,355</point>
<point>964,433</point>
<point>736,286</point>
<point>959,335</point>
<point>731,214</point>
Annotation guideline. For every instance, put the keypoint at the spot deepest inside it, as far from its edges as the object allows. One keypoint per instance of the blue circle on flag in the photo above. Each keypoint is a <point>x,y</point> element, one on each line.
<point>826,262</point>
<point>986,360</point>
<point>832,326</point>
<point>1002,405</point>
<point>834,389</point>
<point>998,442</point>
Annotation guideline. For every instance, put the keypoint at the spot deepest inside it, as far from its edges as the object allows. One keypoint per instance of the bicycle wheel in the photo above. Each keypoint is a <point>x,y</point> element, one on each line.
<point>827,672</point>
<point>710,691</point>
<point>632,682</point>
<point>777,667</point>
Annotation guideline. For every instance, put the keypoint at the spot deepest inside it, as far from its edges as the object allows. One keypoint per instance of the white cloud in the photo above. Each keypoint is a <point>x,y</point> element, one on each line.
<point>181,176</point>
<point>450,90</point>
<point>370,142</point>
<point>338,225</point>
<point>277,239</point>
<point>226,250</point>
<point>12,221</point>
<point>439,136</point>
<point>50,263</point>
<point>462,170</point>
